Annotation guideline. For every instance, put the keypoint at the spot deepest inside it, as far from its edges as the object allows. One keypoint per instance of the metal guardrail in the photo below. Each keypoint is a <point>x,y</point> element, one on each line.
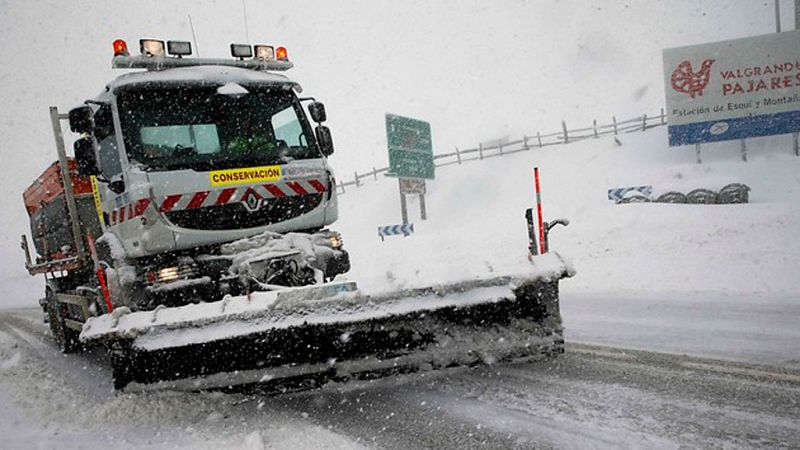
<point>565,136</point>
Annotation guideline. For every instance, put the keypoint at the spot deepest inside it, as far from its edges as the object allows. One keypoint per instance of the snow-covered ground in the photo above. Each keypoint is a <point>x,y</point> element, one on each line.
<point>703,279</point>
<point>588,398</point>
<point>714,280</point>
<point>476,219</point>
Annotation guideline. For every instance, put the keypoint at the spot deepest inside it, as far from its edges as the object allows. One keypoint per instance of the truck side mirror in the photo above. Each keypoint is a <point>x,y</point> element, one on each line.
<point>117,184</point>
<point>86,156</point>
<point>317,111</point>
<point>324,139</point>
<point>81,120</point>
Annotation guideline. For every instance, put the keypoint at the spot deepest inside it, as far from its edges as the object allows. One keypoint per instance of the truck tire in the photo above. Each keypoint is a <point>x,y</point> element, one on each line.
<point>121,370</point>
<point>67,339</point>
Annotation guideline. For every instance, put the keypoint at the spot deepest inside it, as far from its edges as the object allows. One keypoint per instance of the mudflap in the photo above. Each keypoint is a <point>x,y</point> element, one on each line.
<point>523,323</point>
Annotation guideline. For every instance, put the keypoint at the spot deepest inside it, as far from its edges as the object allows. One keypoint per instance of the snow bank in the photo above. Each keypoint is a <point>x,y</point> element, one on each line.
<point>476,223</point>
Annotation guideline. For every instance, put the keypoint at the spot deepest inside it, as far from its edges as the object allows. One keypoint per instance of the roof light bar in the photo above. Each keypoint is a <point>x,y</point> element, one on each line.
<point>241,50</point>
<point>154,56</point>
<point>265,52</point>
<point>152,47</point>
<point>150,63</point>
<point>179,48</point>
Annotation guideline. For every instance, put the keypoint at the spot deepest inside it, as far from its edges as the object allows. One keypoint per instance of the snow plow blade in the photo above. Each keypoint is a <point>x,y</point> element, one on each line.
<point>301,338</point>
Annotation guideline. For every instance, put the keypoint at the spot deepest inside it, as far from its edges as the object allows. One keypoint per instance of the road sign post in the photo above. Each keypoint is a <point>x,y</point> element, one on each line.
<point>410,158</point>
<point>403,204</point>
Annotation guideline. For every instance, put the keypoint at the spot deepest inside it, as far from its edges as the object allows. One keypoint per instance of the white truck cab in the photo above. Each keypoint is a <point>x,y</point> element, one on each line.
<point>202,155</point>
<point>192,154</point>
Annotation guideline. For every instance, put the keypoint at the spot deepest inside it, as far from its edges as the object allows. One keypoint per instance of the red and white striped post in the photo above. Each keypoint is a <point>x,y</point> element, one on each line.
<point>101,274</point>
<point>539,210</point>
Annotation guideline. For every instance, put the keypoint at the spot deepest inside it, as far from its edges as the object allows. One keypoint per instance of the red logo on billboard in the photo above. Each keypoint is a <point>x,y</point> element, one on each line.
<point>689,82</point>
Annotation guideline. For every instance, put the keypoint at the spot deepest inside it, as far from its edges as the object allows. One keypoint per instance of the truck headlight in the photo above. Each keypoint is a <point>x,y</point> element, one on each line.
<point>168,274</point>
<point>336,241</point>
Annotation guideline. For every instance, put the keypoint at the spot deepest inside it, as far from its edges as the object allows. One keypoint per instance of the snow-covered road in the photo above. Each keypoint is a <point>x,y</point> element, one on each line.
<point>592,397</point>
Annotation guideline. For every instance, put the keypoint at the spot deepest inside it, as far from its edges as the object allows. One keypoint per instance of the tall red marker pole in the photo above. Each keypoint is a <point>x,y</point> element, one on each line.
<point>539,210</point>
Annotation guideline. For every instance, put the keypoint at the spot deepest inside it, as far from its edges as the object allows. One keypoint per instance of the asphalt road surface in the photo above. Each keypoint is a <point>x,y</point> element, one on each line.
<point>591,397</point>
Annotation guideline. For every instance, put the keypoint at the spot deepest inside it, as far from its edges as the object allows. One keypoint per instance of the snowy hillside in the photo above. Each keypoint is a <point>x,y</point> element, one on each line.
<point>477,225</point>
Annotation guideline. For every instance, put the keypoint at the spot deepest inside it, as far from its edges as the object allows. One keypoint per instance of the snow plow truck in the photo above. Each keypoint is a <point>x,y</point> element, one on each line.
<point>187,234</point>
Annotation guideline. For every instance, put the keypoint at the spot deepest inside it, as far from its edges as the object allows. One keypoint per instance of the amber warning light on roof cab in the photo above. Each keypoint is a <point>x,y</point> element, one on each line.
<point>120,48</point>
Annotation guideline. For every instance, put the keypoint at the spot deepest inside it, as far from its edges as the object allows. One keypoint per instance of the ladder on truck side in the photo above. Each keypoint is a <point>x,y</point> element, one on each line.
<point>81,260</point>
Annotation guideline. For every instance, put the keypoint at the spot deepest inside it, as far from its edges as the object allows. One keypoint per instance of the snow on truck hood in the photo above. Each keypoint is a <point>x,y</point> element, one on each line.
<point>212,75</point>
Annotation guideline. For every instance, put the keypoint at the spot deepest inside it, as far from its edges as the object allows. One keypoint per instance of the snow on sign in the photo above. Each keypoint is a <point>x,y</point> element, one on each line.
<point>410,147</point>
<point>733,89</point>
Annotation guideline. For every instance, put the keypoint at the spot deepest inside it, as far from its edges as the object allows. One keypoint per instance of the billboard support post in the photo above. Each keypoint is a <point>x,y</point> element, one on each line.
<point>797,14</point>
<point>697,152</point>
<point>744,150</point>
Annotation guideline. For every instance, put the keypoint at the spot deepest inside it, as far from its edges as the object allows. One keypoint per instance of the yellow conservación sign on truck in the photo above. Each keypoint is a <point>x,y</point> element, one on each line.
<point>247,175</point>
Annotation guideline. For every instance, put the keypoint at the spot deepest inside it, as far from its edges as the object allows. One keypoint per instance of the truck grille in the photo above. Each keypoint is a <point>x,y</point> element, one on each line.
<point>235,216</point>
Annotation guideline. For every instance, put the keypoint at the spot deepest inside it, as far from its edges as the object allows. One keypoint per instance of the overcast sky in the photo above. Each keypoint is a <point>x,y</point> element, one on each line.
<point>476,70</point>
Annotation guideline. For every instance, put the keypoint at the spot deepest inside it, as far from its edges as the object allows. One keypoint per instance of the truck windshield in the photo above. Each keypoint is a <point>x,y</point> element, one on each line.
<point>201,129</point>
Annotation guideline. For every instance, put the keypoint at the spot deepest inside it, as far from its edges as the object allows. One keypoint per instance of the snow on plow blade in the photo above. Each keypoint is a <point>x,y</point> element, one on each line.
<point>300,338</point>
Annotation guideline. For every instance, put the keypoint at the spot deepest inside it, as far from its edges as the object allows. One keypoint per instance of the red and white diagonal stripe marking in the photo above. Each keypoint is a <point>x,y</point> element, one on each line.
<point>177,202</point>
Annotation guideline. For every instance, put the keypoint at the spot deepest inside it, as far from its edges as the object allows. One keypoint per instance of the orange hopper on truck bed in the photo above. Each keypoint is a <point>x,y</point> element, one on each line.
<point>45,201</point>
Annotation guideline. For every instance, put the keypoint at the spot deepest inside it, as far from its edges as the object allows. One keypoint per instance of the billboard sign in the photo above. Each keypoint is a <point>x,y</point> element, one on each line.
<point>410,147</point>
<point>733,89</point>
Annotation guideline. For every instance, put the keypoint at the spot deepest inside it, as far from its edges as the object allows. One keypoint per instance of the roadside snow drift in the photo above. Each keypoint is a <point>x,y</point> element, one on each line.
<point>476,220</point>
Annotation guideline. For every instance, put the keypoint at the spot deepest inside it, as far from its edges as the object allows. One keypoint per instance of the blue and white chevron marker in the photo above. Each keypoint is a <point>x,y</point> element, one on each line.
<point>618,193</point>
<point>405,229</point>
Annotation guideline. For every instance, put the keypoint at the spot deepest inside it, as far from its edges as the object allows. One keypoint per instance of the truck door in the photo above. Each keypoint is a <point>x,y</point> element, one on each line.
<point>110,164</point>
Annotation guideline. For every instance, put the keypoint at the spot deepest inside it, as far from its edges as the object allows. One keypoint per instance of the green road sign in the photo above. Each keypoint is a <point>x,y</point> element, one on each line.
<point>410,148</point>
